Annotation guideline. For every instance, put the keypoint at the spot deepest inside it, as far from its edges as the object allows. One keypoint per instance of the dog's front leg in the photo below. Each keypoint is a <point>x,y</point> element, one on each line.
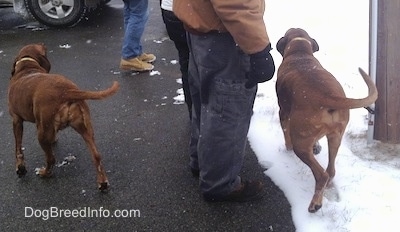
<point>285,124</point>
<point>18,129</point>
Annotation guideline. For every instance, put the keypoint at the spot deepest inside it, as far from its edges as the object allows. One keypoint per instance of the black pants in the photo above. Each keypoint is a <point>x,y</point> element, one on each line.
<point>177,34</point>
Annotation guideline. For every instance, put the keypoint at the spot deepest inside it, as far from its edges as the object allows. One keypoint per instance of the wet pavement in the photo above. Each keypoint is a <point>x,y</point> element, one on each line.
<point>141,132</point>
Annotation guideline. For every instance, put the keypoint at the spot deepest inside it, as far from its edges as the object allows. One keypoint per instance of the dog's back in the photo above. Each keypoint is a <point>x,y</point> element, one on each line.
<point>305,83</point>
<point>300,70</point>
<point>49,91</point>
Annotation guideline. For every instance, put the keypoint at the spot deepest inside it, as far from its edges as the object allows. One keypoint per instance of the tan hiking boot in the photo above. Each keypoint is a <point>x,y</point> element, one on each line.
<point>147,57</point>
<point>135,64</point>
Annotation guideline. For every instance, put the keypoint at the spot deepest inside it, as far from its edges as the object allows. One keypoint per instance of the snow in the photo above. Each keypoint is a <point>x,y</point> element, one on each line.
<point>366,192</point>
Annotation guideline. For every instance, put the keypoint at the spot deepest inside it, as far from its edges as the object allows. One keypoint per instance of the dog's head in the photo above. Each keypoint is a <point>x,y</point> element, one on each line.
<point>32,52</point>
<point>296,38</point>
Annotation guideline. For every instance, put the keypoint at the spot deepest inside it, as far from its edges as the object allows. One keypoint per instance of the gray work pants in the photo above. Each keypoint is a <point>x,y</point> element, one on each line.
<point>222,109</point>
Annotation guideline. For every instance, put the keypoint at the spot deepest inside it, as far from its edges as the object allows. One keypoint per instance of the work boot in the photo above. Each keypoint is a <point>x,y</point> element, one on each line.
<point>135,64</point>
<point>147,57</point>
<point>248,191</point>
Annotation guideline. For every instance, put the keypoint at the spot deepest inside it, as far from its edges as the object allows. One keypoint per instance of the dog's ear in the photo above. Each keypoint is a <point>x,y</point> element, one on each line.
<point>44,63</point>
<point>13,67</point>
<point>315,45</point>
<point>42,59</point>
<point>280,46</point>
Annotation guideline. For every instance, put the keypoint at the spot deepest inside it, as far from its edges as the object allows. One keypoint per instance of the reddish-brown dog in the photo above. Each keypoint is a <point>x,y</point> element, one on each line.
<point>52,102</point>
<point>312,105</point>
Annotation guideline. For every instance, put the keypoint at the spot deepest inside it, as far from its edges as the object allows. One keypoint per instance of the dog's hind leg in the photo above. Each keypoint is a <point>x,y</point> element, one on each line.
<point>321,177</point>
<point>46,136</point>
<point>18,129</point>
<point>334,141</point>
<point>81,123</point>
<point>102,180</point>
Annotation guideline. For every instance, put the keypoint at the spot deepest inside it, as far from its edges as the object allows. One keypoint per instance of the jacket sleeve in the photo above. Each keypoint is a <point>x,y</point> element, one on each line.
<point>244,21</point>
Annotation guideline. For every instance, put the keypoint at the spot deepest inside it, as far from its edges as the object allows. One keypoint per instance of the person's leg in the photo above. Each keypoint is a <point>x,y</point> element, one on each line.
<point>225,113</point>
<point>177,34</point>
<point>194,85</point>
<point>185,83</point>
<point>136,14</point>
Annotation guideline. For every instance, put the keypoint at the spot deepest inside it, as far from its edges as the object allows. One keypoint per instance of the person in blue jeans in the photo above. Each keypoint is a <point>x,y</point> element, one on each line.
<point>136,14</point>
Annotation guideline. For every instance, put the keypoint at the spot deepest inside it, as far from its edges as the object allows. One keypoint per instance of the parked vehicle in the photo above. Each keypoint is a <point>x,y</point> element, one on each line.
<point>55,13</point>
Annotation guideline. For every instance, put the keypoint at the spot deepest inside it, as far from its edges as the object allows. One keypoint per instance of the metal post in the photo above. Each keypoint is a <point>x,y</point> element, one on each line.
<point>373,59</point>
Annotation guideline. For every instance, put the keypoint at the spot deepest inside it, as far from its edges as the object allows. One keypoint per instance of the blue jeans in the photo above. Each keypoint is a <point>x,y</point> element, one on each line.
<point>222,109</point>
<point>136,14</point>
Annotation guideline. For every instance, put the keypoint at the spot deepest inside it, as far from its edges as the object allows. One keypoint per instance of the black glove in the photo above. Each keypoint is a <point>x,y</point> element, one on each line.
<point>262,68</point>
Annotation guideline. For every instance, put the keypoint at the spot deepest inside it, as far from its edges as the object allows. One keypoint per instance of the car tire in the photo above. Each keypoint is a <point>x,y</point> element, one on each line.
<point>56,13</point>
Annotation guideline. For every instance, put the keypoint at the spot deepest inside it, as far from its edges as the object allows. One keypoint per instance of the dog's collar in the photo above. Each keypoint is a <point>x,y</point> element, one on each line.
<point>301,38</point>
<point>25,59</point>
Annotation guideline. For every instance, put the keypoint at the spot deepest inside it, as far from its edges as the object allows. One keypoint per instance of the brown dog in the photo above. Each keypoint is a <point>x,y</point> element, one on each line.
<point>52,102</point>
<point>312,105</point>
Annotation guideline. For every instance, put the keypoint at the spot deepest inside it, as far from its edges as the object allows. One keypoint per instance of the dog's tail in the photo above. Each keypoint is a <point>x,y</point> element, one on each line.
<point>76,94</point>
<point>351,103</point>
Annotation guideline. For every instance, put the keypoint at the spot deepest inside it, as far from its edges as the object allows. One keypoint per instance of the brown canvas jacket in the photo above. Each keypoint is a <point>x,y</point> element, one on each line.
<point>243,19</point>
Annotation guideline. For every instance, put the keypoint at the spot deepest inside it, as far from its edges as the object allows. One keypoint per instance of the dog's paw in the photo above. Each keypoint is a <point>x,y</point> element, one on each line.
<point>314,207</point>
<point>43,172</point>
<point>103,187</point>
<point>21,170</point>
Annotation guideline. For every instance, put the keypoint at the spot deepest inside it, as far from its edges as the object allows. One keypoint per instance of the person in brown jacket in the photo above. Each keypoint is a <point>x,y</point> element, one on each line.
<point>229,55</point>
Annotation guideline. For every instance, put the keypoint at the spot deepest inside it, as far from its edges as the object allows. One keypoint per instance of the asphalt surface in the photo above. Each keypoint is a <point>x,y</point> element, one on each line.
<point>141,134</point>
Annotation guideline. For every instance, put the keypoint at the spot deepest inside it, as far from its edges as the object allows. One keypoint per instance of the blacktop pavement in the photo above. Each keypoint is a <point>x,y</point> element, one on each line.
<point>141,134</point>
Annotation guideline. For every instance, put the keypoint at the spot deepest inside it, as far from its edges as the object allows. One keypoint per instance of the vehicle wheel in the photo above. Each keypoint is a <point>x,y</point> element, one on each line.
<point>56,13</point>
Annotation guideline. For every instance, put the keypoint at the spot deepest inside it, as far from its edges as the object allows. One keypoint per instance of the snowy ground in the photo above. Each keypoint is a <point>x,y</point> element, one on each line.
<point>367,193</point>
